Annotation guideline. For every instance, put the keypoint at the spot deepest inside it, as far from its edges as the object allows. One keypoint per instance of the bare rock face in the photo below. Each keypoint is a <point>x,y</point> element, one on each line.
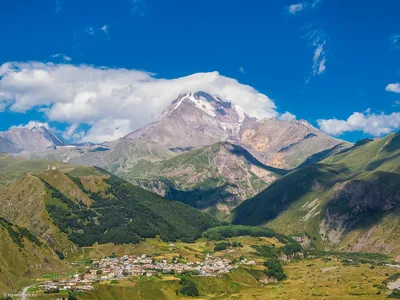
<point>25,140</point>
<point>357,203</point>
<point>283,144</point>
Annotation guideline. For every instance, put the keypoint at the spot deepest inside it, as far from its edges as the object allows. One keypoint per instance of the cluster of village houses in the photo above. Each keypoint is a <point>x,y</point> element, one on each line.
<point>118,268</point>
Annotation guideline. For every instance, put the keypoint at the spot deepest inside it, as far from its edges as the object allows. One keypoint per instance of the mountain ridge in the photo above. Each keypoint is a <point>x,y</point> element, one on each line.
<point>26,140</point>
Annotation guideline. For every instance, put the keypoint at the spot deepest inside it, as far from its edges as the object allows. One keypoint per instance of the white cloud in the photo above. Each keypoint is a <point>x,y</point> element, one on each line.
<point>62,57</point>
<point>241,70</point>
<point>90,30</point>
<point>395,40</point>
<point>113,101</point>
<point>319,59</point>
<point>138,8</point>
<point>318,41</point>
<point>287,116</point>
<point>296,8</point>
<point>72,133</point>
<point>372,124</point>
<point>108,129</point>
<point>393,87</point>
<point>32,124</point>
<point>104,28</point>
<point>58,6</point>
<point>301,6</point>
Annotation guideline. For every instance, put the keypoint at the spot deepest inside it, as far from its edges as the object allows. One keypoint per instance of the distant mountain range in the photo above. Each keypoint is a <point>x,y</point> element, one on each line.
<point>241,155</point>
<point>194,120</point>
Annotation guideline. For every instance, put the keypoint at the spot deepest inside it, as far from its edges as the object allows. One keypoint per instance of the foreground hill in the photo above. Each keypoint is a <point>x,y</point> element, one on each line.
<point>81,206</point>
<point>23,257</point>
<point>349,201</point>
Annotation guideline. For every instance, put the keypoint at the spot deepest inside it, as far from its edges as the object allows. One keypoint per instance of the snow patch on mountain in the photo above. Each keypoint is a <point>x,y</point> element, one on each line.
<point>202,103</point>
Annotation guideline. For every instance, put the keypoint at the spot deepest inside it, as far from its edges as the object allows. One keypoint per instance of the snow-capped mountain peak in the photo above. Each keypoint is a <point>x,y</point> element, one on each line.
<point>212,105</point>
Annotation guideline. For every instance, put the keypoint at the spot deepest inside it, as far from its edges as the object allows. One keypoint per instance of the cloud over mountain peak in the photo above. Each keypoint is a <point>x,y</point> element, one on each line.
<point>91,95</point>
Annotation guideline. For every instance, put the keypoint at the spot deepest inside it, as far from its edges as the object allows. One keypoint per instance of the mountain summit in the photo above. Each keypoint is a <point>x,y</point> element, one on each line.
<point>23,139</point>
<point>198,119</point>
<point>193,120</point>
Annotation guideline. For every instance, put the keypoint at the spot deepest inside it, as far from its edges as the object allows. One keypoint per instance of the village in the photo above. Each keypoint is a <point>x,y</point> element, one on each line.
<point>113,268</point>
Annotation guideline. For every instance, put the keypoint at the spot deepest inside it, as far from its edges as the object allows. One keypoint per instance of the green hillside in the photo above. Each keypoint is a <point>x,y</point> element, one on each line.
<point>23,257</point>
<point>349,201</point>
<point>87,205</point>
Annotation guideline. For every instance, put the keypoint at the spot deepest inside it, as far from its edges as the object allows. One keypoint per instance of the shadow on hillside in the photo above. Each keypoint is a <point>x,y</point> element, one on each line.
<point>365,202</point>
<point>394,143</point>
<point>282,193</point>
<point>202,198</point>
<point>238,151</point>
<point>376,164</point>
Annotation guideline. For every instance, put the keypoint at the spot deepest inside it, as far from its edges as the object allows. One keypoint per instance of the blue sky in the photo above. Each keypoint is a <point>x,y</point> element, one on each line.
<point>317,59</point>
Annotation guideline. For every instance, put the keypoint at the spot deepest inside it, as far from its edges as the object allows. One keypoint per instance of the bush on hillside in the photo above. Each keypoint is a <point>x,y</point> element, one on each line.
<point>189,288</point>
<point>275,269</point>
<point>60,254</point>
<point>395,294</point>
<point>292,247</point>
<point>221,246</point>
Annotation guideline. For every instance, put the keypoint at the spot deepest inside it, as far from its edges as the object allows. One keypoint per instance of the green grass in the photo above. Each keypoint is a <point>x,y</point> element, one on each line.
<point>23,257</point>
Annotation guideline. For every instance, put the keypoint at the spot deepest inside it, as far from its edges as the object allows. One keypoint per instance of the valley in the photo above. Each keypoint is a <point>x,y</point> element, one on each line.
<point>167,268</point>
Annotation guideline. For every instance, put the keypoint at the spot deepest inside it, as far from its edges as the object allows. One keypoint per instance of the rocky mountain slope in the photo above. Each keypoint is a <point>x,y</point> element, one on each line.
<point>23,257</point>
<point>284,144</point>
<point>22,140</point>
<point>81,205</point>
<point>349,201</point>
<point>213,178</point>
